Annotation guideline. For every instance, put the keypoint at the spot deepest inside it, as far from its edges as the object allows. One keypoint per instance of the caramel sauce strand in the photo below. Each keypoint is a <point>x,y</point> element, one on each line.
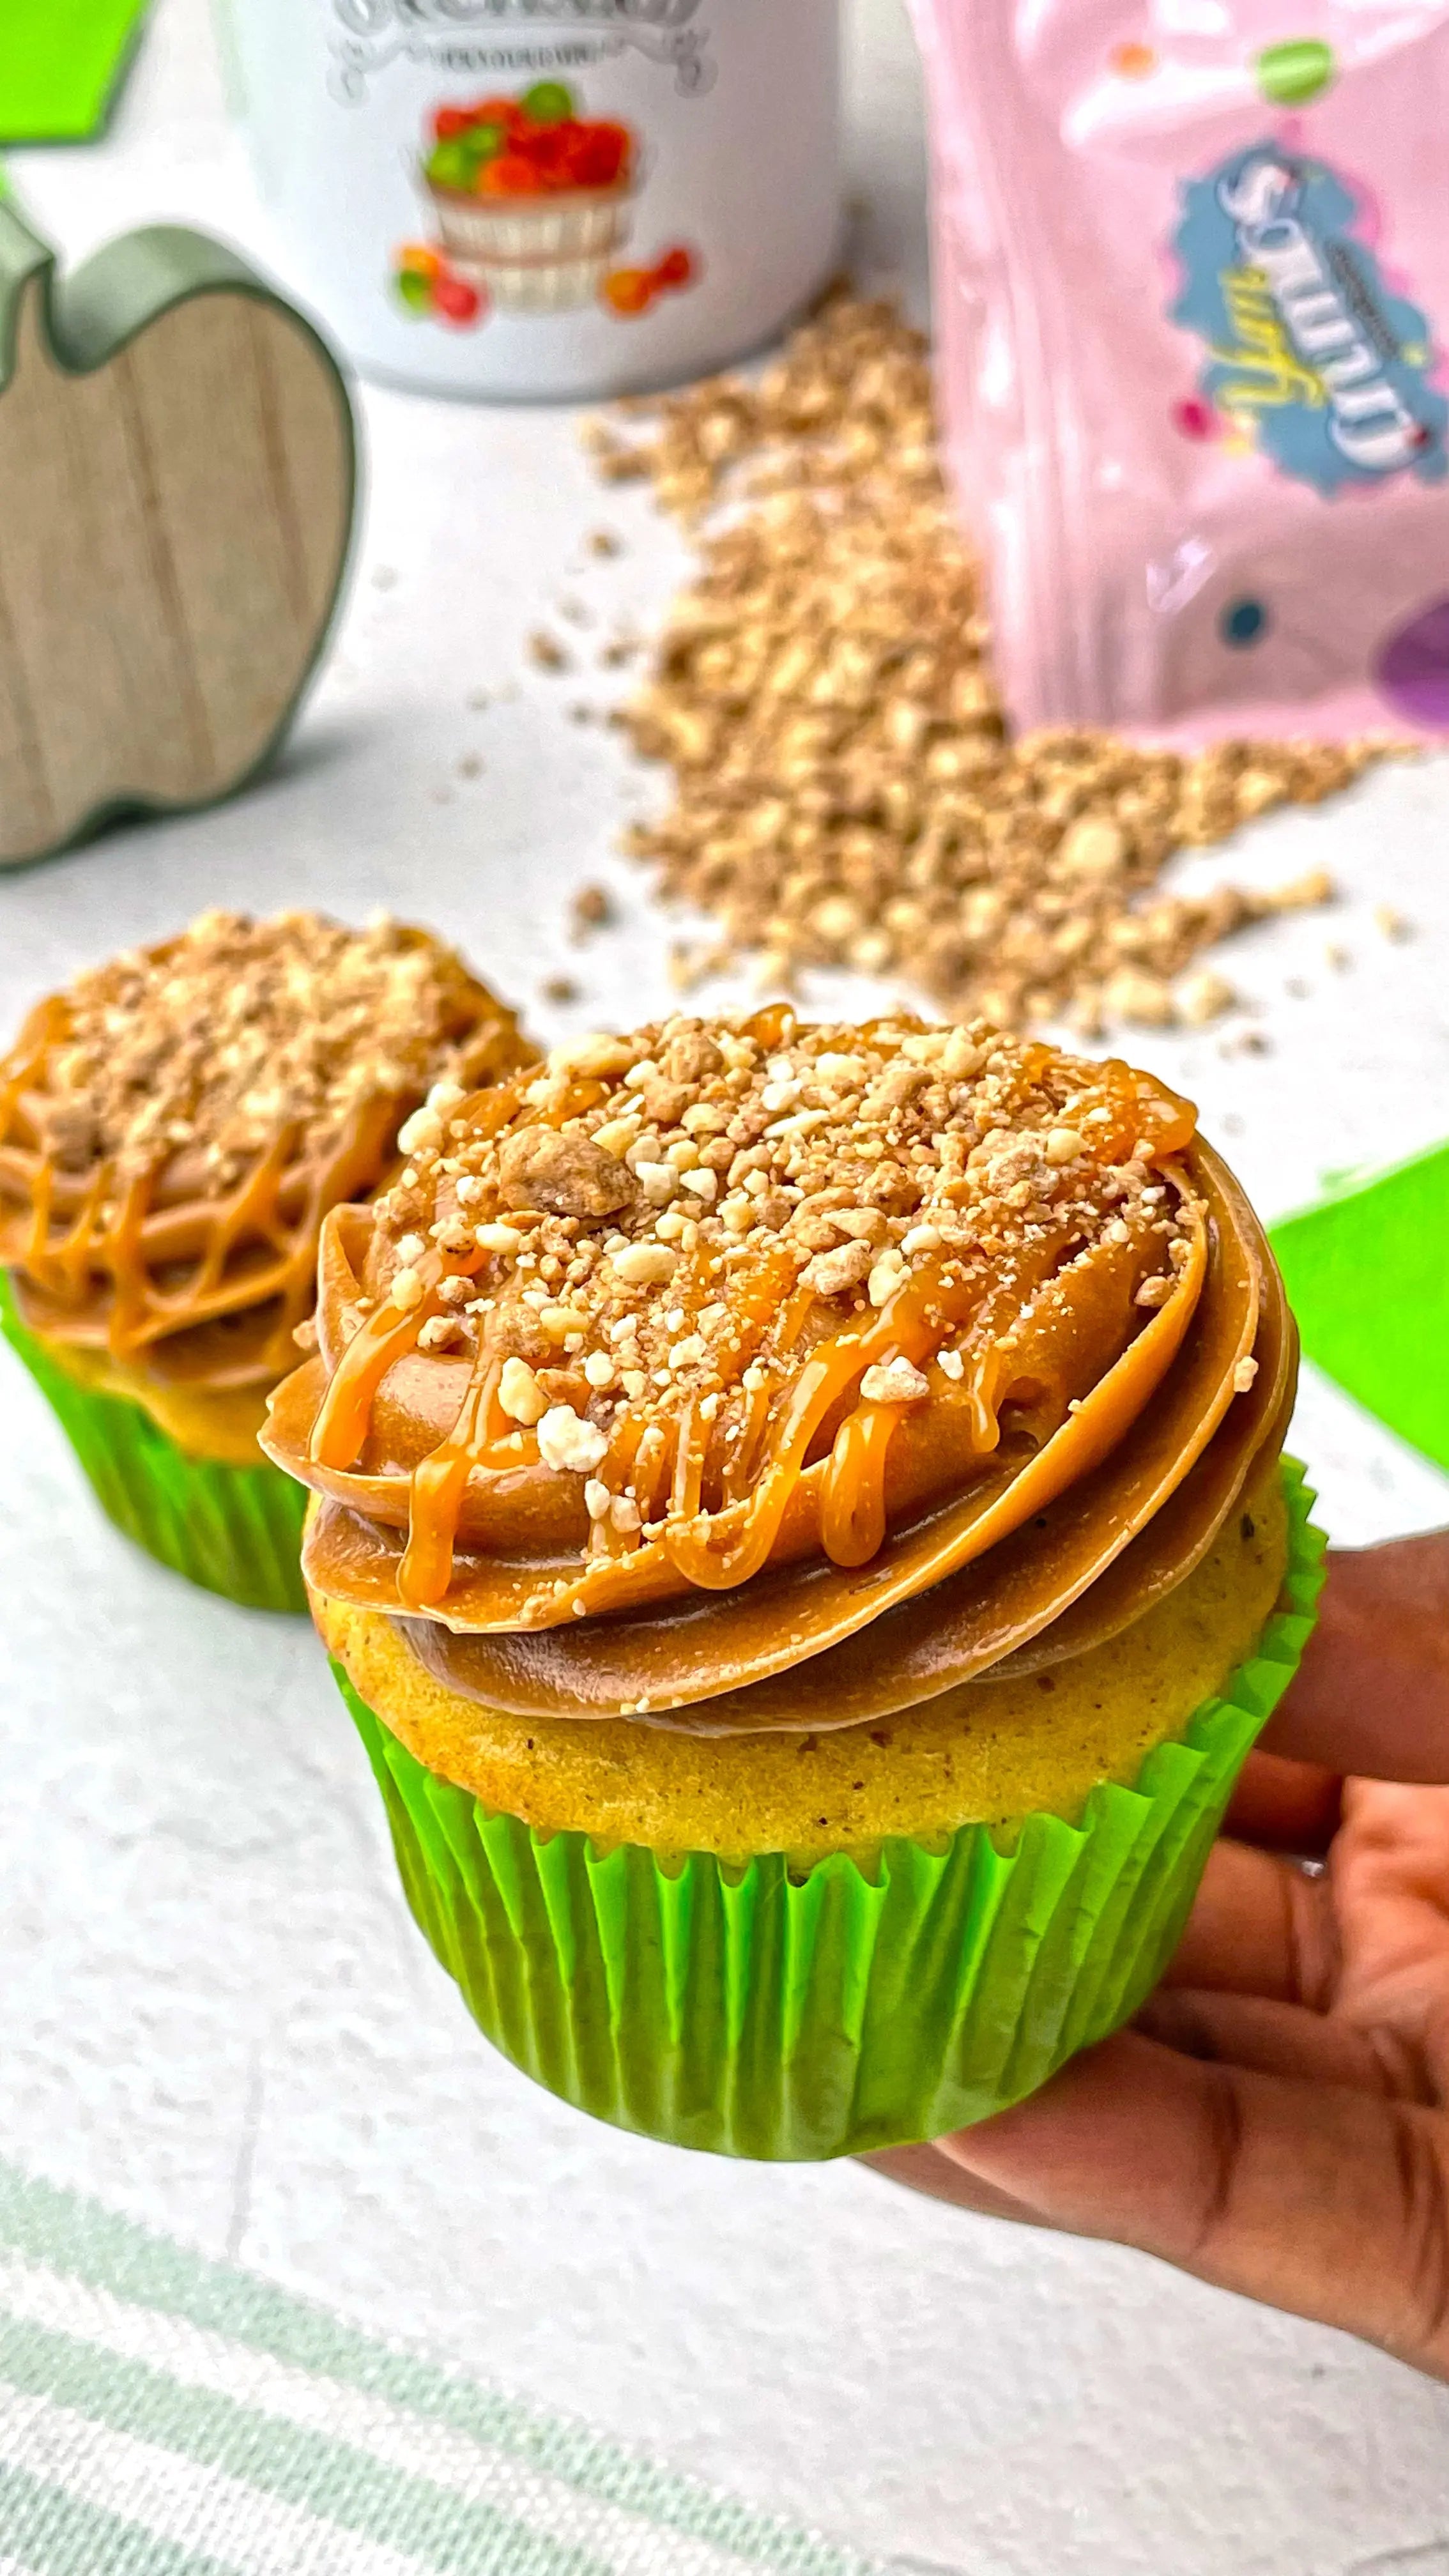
<point>909,1323</point>
<point>691,1448</point>
<point>130,1303</point>
<point>38,1256</point>
<point>1000,1313</point>
<point>250,1211</point>
<point>652,1465</point>
<point>822,1381</point>
<point>754,1310</point>
<point>361,1154</point>
<point>852,1505</point>
<point>853,1508</point>
<point>740,1469</point>
<point>387,1335</point>
<point>439,1483</point>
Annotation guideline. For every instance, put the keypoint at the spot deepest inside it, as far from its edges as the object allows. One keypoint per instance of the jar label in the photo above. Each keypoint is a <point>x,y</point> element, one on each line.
<point>471,35</point>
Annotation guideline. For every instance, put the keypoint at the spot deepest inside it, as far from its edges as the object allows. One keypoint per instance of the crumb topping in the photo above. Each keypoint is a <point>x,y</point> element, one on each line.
<point>240,1030</point>
<point>174,1128</point>
<point>660,1229</point>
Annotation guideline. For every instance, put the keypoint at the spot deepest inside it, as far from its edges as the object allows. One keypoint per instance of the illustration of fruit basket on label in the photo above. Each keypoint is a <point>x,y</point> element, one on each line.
<point>532,200</point>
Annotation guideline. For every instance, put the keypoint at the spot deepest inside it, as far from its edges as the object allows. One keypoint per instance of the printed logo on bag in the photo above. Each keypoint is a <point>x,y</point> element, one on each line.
<point>1311,355</point>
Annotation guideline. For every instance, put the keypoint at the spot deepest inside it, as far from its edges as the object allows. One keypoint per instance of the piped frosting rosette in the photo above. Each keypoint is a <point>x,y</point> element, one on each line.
<point>758,1375</point>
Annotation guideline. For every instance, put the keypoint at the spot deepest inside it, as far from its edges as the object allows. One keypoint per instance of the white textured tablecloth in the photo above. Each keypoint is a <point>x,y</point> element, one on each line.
<point>214,2013</point>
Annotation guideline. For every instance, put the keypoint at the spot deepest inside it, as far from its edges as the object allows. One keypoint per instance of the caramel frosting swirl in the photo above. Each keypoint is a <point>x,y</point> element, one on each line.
<point>176,1125</point>
<point>729,1371</point>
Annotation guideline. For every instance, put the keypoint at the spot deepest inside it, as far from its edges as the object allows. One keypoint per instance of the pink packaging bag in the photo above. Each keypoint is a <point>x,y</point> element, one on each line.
<point>1192,289</point>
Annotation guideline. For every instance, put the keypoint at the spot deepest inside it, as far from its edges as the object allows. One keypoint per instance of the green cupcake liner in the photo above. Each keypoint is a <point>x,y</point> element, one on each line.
<point>234,1530</point>
<point>780,2012</point>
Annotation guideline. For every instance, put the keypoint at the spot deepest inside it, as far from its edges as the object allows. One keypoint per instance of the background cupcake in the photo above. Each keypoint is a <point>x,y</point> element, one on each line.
<point>802,1531</point>
<point>173,1130</point>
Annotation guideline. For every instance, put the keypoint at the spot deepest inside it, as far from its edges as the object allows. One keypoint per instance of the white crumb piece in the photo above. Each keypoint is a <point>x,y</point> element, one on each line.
<point>894,1382</point>
<point>567,1444</point>
<point>519,1393</point>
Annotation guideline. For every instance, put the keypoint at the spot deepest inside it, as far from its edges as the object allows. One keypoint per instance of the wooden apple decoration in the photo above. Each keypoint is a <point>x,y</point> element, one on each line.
<point>177,480</point>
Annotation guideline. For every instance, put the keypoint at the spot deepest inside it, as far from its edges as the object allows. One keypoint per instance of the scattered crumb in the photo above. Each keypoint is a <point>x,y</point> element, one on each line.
<point>559,988</point>
<point>478,699</point>
<point>603,541</point>
<point>581,713</point>
<point>688,965</point>
<point>470,766</point>
<point>546,652</point>
<point>575,612</point>
<point>1204,996</point>
<point>384,578</point>
<point>1393,924</point>
<point>845,789</point>
<point>593,908</point>
<point>1336,956</point>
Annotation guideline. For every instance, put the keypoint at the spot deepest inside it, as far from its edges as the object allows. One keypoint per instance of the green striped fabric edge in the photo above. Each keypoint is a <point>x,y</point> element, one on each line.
<point>63,2535</point>
<point>79,2237</point>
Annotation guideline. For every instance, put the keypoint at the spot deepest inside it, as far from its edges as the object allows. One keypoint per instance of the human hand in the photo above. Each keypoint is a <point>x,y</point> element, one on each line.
<point>1277,2120</point>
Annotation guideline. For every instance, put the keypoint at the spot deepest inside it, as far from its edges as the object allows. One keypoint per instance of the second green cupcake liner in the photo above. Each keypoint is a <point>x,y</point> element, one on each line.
<point>233,1530</point>
<point>791,2012</point>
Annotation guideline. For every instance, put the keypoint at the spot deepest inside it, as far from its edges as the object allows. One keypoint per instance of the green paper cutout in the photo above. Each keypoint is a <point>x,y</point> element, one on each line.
<point>63,66</point>
<point>1367,1274</point>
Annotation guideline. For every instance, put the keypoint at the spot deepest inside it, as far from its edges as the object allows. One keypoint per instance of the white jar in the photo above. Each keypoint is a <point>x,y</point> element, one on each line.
<point>534,198</point>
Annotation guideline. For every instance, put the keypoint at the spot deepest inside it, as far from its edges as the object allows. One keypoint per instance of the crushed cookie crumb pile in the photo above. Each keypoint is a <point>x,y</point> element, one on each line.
<point>845,791</point>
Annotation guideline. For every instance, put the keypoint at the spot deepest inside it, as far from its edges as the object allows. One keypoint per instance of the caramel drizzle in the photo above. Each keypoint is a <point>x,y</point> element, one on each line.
<point>665,1450</point>
<point>389,1333</point>
<point>439,1483</point>
<point>99,1245</point>
<point>714,1552</point>
<point>117,1231</point>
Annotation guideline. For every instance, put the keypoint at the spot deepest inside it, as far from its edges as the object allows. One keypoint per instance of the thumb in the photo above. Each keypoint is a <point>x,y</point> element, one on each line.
<point>1314,2198</point>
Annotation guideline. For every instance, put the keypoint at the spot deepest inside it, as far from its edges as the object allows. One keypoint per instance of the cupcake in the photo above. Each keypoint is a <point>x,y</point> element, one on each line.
<point>173,1131</point>
<point>800,1524</point>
